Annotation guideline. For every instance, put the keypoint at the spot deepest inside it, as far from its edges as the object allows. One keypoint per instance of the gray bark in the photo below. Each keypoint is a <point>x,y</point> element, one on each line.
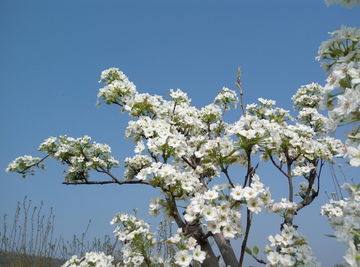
<point>196,231</point>
<point>226,250</point>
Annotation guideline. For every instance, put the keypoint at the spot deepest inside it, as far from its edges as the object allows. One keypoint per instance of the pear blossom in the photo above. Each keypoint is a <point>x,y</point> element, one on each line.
<point>198,254</point>
<point>183,258</point>
<point>354,155</point>
<point>96,259</point>
<point>237,192</point>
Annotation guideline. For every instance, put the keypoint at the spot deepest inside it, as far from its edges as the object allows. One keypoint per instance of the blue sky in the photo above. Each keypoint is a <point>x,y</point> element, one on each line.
<point>52,54</point>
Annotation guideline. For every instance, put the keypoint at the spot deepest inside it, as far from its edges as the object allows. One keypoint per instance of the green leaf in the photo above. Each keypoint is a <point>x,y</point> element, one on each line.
<point>205,161</point>
<point>300,243</point>
<point>255,249</point>
<point>247,250</point>
<point>330,235</point>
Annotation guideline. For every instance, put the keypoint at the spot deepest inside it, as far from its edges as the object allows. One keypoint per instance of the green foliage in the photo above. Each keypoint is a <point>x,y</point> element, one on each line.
<point>255,250</point>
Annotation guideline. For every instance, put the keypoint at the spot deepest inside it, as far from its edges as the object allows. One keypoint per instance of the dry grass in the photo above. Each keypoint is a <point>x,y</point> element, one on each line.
<point>28,241</point>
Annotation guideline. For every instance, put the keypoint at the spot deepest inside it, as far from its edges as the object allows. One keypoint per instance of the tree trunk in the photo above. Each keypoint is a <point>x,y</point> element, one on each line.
<point>211,260</point>
<point>226,250</point>
<point>196,231</point>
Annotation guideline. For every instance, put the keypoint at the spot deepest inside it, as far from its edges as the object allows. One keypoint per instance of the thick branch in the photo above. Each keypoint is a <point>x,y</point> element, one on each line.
<point>226,250</point>
<point>174,211</point>
<point>291,186</point>
<point>195,230</point>
<point>188,162</point>
<point>307,201</point>
<point>290,214</point>
<point>108,182</point>
<point>310,198</point>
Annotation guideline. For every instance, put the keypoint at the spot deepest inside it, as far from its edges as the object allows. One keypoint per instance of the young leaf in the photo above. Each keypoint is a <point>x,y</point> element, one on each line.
<point>248,251</point>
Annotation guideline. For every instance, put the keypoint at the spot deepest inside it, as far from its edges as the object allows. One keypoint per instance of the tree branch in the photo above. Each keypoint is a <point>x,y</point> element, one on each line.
<point>228,177</point>
<point>247,232</point>
<point>226,250</point>
<point>248,178</point>
<point>108,182</point>
<point>188,162</point>
<point>174,211</point>
<point>279,167</point>
<point>291,186</point>
<point>109,173</point>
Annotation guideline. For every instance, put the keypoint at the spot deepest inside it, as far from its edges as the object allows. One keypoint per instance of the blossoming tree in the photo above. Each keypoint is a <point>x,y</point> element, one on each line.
<point>183,151</point>
<point>341,55</point>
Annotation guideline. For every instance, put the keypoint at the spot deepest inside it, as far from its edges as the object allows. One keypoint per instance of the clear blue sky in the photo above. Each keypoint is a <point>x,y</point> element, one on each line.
<point>52,54</point>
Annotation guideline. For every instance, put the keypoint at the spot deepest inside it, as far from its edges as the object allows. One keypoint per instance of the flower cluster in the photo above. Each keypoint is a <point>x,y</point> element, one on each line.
<point>307,100</point>
<point>118,89</point>
<point>95,259</point>
<point>169,178</point>
<point>351,148</point>
<point>136,164</point>
<point>138,242</point>
<point>273,132</point>
<point>227,98</point>
<point>179,96</point>
<point>189,250</point>
<point>308,96</point>
<point>219,217</point>
<point>25,164</point>
<point>283,207</point>
<point>344,218</point>
<point>136,237</point>
<point>161,139</point>
<point>342,97</point>
<point>290,249</point>
<point>255,196</point>
<point>81,155</point>
<point>341,55</point>
<point>219,152</point>
<point>221,211</point>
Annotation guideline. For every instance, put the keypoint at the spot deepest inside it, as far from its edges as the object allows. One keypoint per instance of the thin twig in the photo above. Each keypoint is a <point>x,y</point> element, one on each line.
<point>228,177</point>
<point>238,84</point>
<point>109,173</point>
